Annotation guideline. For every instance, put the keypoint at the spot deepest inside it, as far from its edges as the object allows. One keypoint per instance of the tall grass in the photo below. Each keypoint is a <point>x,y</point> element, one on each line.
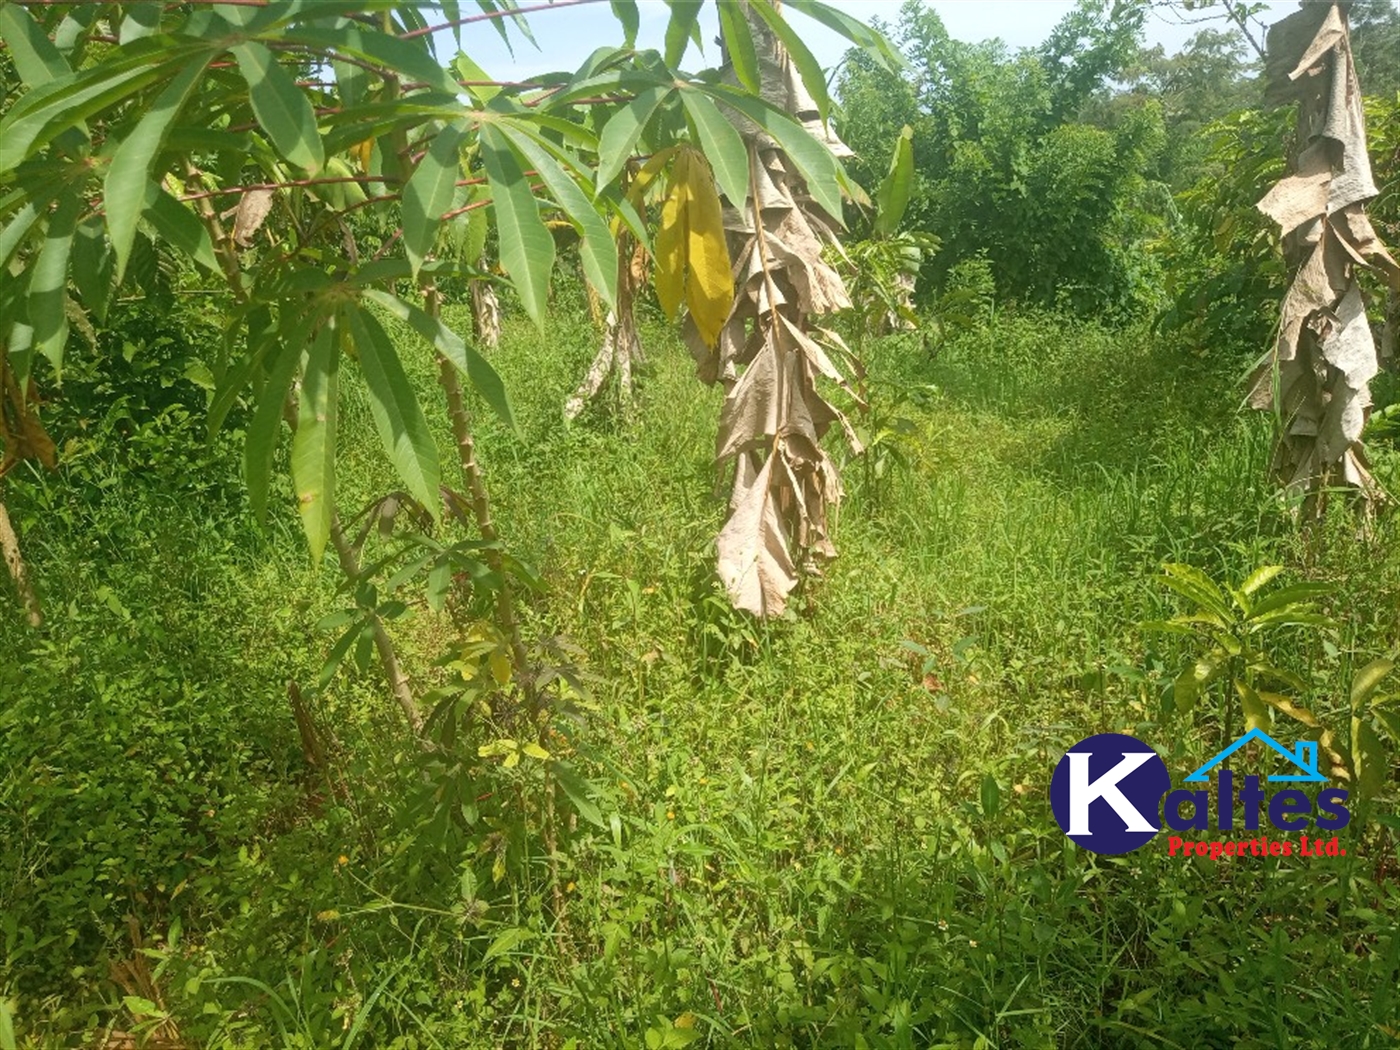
<point>829,830</point>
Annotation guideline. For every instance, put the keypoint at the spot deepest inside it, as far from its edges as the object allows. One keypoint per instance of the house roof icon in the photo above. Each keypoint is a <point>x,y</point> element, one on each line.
<point>1304,756</point>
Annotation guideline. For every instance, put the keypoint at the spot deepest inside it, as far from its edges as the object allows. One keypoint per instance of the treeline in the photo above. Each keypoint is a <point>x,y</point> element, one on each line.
<point>1098,175</point>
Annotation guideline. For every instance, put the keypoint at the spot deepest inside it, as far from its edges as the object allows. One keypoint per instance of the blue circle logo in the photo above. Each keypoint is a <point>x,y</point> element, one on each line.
<point>1106,793</point>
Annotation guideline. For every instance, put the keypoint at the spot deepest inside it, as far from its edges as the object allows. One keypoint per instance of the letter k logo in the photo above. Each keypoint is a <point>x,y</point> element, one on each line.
<point>1122,773</point>
<point>1082,792</point>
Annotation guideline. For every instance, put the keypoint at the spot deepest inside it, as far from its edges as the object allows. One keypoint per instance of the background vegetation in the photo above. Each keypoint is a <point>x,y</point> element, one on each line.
<point>828,830</point>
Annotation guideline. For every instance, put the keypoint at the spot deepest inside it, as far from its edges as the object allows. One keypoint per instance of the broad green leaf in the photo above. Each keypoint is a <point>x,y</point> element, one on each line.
<point>397,414</point>
<point>36,59</point>
<point>92,266</point>
<point>1256,711</point>
<point>142,19</point>
<point>1259,577</point>
<point>618,141</point>
<point>722,145</point>
<point>129,177</point>
<point>682,27</point>
<point>527,247</point>
<point>580,793</point>
<point>1194,679</point>
<point>1295,594</point>
<point>265,428</point>
<point>1368,755</point>
<point>313,444</point>
<point>814,161</point>
<point>180,228</point>
<point>1292,616</point>
<point>49,281</point>
<point>1391,721</point>
<point>467,69</point>
<point>991,795</point>
<point>598,250</point>
<point>1366,680</point>
<point>430,192</point>
<point>508,939</point>
<point>813,76</point>
<point>467,361</point>
<point>625,11</point>
<point>1194,585</point>
<point>281,107</point>
<point>738,41</point>
<point>892,198</point>
<point>41,115</point>
<point>14,233</point>
<point>875,44</point>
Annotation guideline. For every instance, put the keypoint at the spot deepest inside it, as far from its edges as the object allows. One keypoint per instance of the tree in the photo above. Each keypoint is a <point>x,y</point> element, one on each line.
<point>252,139</point>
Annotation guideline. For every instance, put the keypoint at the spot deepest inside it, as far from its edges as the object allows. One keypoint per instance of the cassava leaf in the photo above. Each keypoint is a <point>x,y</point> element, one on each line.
<point>527,248</point>
<point>892,197</point>
<point>738,41</point>
<point>313,444</point>
<point>281,107</point>
<point>36,59</point>
<point>49,281</point>
<point>467,361</point>
<point>397,414</point>
<point>265,428</point>
<point>618,141</point>
<point>681,28</point>
<point>430,192</point>
<point>721,143</point>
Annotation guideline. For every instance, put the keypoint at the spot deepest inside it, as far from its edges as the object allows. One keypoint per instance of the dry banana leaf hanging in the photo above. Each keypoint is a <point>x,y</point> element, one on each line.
<point>1317,376</point>
<point>773,419</point>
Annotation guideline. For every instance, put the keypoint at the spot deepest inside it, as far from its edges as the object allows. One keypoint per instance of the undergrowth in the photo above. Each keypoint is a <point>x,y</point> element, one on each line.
<point>830,830</point>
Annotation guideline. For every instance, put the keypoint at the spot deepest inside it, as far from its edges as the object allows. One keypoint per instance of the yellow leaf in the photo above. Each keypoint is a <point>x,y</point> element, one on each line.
<point>512,760</point>
<point>500,667</point>
<point>671,240</point>
<point>710,283</point>
<point>685,1020</point>
<point>362,152</point>
<point>535,751</point>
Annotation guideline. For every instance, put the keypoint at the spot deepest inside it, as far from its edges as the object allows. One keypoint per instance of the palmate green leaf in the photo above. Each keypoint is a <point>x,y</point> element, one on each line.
<point>813,76</point>
<point>598,250</point>
<point>892,197</point>
<point>36,59</point>
<point>38,117</point>
<point>722,145</point>
<point>527,247</point>
<point>265,428</point>
<point>281,107</point>
<point>397,414</point>
<point>618,141</point>
<point>819,169</point>
<point>313,444</point>
<point>738,42</point>
<point>430,192</point>
<point>49,281</point>
<point>682,27</point>
<point>128,179</point>
<point>625,11</point>
<point>467,361</point>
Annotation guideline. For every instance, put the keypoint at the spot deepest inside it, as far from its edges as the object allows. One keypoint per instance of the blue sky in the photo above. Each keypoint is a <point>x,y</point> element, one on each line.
<point>568,35</point>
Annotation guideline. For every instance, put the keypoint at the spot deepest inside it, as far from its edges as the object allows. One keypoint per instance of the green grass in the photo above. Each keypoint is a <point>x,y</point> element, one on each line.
<point>830,830</point>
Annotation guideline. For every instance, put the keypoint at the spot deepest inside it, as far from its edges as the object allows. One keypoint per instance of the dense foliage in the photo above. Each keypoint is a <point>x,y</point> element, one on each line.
<point>630,815</point>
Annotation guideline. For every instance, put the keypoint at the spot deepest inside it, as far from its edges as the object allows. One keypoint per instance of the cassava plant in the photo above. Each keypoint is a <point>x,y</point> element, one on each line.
<point>255,140</point>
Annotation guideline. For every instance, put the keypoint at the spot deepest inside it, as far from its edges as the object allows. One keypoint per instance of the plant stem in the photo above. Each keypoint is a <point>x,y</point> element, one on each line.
<point>349,559</point>
<point>9,544</point>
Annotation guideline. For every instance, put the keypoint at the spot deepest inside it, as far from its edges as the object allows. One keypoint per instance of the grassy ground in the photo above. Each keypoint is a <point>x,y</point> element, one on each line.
<point>832,830</point>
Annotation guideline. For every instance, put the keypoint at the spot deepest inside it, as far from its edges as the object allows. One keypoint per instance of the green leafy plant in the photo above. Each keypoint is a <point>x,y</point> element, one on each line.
<point>1235,629</point>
